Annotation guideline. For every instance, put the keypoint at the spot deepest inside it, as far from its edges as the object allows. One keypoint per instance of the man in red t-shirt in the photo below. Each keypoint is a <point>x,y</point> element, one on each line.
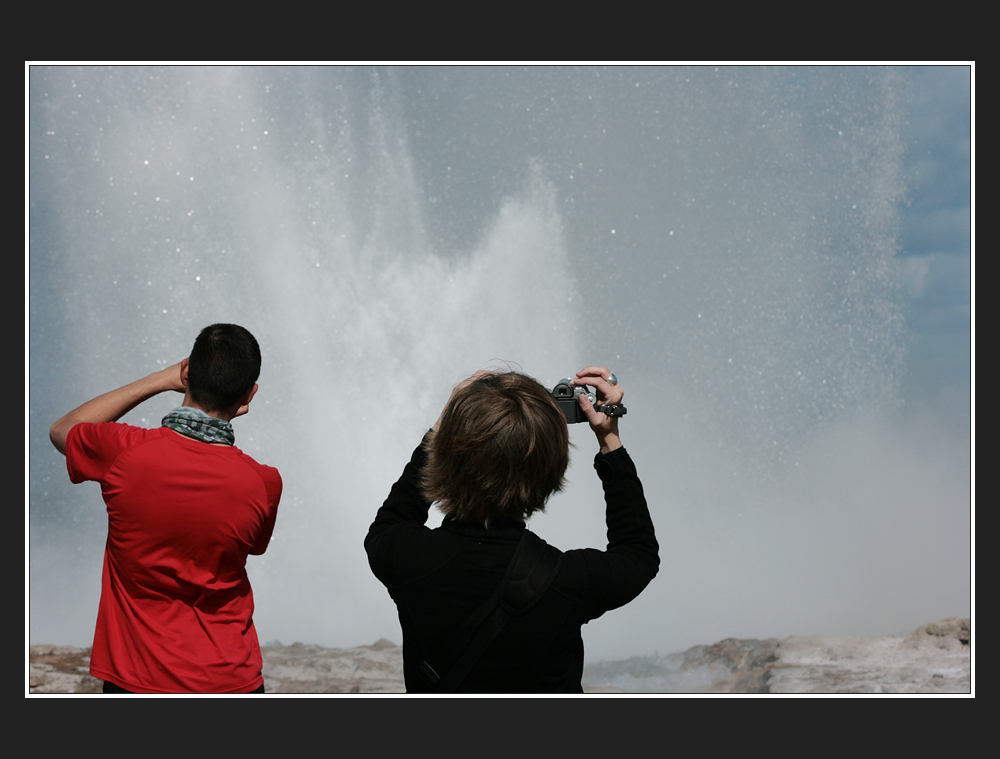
<point>185,508</point>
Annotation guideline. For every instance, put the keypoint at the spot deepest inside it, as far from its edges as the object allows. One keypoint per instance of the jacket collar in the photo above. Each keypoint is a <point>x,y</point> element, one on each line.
<point>504,531</point>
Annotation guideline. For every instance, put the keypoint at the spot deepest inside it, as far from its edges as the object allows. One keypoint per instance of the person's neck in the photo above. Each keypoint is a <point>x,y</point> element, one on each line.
<point>223,415</point>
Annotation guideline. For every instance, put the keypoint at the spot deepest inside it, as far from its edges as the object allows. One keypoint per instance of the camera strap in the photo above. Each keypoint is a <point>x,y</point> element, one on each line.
<point>530,573</point>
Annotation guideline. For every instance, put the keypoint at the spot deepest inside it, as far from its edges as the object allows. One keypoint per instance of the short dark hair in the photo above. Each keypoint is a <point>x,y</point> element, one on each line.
<point>501,450</point>
<point>224,364</point>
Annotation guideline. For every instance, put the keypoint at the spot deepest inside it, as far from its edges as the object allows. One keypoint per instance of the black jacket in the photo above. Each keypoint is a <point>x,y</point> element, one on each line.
<point>438,577</point>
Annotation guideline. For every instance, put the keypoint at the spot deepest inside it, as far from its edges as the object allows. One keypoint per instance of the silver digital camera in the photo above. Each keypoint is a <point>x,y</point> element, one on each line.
<point>566,398</point>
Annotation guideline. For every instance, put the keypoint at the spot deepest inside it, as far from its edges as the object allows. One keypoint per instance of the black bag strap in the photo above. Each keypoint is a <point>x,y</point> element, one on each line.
<point>531,571</point>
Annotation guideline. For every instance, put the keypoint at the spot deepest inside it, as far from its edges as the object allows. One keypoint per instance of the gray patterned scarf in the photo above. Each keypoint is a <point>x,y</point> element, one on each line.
<point>195,423</point>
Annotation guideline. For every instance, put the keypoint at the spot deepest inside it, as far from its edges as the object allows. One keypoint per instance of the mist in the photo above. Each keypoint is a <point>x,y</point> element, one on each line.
<point>728,240</point>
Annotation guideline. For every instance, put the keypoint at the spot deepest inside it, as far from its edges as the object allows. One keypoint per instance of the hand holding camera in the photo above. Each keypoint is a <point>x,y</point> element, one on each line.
<point>567,397</point>
<point>593,396</point>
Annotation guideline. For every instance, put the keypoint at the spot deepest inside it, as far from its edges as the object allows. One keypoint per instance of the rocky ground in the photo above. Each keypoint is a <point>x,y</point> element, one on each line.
<point>935,658</point>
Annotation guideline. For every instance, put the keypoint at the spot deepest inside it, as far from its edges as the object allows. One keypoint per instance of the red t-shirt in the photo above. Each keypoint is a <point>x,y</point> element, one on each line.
<point>176,612</point>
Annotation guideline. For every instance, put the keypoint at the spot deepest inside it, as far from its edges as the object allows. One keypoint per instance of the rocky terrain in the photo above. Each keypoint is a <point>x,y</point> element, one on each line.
<point>935,658</point>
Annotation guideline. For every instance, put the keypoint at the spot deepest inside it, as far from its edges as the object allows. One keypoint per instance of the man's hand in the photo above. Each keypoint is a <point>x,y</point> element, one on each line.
<point>174,377</point>
<point>110,407</point>
<point>605,427</point>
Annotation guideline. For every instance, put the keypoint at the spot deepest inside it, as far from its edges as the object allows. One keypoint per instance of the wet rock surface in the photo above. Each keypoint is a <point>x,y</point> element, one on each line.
<point>301,668</point>
<point>298,668</point>
<point>935,658</point>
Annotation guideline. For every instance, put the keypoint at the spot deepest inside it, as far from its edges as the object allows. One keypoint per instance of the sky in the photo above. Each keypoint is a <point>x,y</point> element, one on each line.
<point>937,229</point>
<point>776,262</point>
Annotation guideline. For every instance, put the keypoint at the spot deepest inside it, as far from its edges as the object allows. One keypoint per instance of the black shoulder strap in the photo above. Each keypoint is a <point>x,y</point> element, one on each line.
<point>530,573</point>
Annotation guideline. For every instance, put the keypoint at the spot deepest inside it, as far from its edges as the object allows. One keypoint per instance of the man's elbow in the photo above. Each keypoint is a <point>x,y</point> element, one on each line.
<point>59,431</point>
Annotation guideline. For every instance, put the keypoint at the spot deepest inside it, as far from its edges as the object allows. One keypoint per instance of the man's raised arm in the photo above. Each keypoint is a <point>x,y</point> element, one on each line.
<point>110,407</point>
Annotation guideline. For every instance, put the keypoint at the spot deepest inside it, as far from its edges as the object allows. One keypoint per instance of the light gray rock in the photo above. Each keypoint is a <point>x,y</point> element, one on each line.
<point>729,666</point>
<point>60,669</point>
<point>302,668</point>
<point>936,658</point>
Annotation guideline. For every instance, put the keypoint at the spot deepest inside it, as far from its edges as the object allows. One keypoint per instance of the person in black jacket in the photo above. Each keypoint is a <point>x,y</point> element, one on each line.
<point>499,449</point>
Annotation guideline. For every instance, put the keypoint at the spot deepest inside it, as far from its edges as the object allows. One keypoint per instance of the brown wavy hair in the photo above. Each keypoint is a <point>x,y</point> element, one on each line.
<point>501,450</point>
